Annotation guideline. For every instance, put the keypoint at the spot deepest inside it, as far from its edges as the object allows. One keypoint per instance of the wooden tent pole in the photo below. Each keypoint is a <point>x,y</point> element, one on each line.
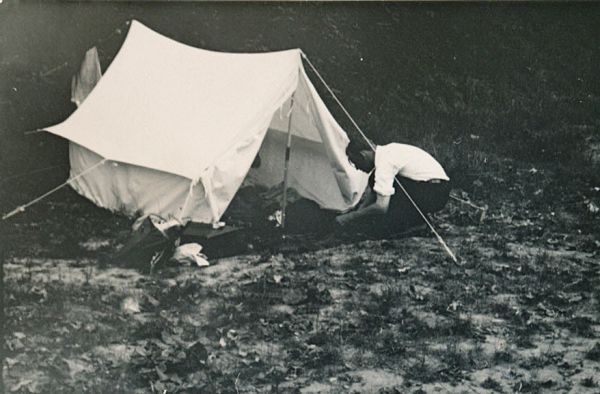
<point>286,166</point>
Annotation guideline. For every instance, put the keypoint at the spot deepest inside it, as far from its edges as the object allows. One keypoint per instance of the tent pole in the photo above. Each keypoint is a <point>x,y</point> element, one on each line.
<point>286,166</point>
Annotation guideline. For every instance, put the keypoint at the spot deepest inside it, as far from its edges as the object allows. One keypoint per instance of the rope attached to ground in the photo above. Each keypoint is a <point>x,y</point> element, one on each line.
<point>38,199</point>
<point>22,208</point>
<point>372,146</point>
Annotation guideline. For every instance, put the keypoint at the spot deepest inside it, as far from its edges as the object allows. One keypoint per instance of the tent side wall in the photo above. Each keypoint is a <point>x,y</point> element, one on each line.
<point>134,190</point>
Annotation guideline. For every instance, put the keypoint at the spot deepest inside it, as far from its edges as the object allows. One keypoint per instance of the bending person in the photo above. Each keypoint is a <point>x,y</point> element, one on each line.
<point>385,207</point>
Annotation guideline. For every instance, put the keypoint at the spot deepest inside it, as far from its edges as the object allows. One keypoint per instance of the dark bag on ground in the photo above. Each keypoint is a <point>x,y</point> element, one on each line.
<point>149,245</point>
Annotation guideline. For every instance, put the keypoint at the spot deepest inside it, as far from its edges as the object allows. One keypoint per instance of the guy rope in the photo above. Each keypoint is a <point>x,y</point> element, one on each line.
<point>372,146</point>
<point>35,200</point>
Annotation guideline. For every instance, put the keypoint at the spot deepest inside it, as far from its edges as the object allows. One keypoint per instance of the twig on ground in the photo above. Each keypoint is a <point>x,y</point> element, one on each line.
<point>469,203</point>
<point>237,379</point>
<point>483,209</point>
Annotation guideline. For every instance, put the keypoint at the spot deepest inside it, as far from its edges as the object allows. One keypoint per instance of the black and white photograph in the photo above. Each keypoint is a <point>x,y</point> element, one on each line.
<point>299,197</point>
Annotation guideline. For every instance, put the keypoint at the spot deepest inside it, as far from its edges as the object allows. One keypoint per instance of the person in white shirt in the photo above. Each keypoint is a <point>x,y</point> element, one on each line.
<point>384,206</point>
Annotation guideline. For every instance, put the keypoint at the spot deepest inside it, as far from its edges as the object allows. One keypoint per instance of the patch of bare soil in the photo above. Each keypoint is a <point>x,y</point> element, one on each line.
<point>521,313</point>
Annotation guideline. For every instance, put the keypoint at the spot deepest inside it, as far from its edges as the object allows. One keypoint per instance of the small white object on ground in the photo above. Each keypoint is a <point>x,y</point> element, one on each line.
<point>130,305</point>
<point>190,254</point>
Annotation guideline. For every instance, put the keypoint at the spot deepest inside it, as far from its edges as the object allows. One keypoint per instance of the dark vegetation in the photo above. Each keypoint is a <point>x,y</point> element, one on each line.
<point>505,95</point>
<point>462,80</point>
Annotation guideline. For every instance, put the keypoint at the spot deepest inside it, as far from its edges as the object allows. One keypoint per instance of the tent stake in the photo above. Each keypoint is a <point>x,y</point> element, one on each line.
<point>287,163</point>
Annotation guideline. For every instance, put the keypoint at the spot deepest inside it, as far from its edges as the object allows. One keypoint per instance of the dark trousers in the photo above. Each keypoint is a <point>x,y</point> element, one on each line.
<point>429,197</point>
<point>402,215</point>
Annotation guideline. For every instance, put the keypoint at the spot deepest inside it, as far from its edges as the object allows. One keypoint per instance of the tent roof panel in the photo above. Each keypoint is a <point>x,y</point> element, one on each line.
<point>175,108</point>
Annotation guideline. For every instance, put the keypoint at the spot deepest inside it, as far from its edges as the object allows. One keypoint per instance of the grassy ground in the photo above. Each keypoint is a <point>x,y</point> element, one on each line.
<point>519,314</point>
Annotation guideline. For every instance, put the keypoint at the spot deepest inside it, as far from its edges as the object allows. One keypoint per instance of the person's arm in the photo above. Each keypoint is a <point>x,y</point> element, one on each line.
<point>368,199</point>
<point>377,207</point>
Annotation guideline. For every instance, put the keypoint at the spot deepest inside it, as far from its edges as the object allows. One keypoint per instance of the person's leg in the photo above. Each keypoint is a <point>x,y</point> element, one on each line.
<point>439,195</point>
<point>402,214</point>
<point>429,197</point>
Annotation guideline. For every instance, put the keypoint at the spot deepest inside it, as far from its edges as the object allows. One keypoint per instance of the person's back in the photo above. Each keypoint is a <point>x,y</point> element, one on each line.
<point>386,205</point>
<point>407,161</point>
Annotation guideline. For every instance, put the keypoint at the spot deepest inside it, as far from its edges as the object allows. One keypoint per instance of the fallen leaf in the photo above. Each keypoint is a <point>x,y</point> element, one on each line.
<point>94,244</point>
<point>171,282</point>
<point>141,351</point>
<point>575,298</point>
<point>14,344</point>
<point>116,354</point>
<point>192,321</point>
<point>77,366</point>
<point>168,338</point>
<point>153,301</point>
<point>159,387</point>
<point>41,293</point>
<point>19,335</point>
<point>161,374</point>
<point>549,312</point>
<point>21,384</point>
<point>130,305</point>
<point>529,296</point>
<point>10,362</point>
<point>232,334</point>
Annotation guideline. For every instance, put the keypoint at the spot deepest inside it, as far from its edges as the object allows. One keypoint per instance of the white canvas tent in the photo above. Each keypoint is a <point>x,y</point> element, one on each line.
<point>176,129</point>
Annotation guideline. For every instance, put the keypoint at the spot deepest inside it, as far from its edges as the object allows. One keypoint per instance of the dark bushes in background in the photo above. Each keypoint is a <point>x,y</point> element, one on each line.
<point>516,80</point>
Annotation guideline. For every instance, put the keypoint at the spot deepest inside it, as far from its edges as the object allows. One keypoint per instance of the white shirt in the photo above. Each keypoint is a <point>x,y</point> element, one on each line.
<point>404,160</point>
